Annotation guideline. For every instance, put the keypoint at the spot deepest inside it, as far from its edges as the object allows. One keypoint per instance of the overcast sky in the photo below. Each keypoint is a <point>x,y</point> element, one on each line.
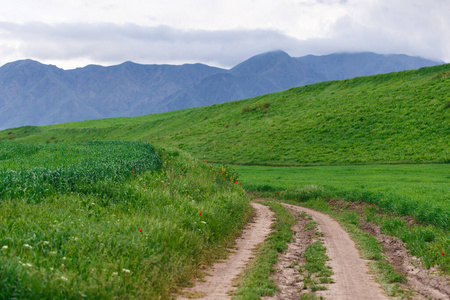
<point>75,33</point>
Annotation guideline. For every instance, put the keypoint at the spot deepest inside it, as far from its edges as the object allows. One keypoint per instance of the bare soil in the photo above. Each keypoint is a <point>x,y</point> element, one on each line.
<point>287,275</point>
<point>219,282</point>
<point>425,283</point>
<point>351,273</point>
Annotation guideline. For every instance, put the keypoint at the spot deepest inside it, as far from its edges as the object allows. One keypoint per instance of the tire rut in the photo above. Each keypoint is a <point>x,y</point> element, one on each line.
<point>219,282</point>
<point>351,273</point>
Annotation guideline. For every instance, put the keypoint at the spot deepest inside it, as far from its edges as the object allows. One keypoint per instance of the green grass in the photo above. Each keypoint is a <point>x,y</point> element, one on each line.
<point>420,191</point>
<point>315,270</point>
<point>134,235</point>
<point>390,118</point>
<point>37,171</point>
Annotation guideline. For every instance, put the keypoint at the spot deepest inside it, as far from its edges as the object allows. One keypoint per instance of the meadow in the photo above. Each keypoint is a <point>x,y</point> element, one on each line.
<point>411,202</point>
<point>110,219</point>
<point>420,191</point>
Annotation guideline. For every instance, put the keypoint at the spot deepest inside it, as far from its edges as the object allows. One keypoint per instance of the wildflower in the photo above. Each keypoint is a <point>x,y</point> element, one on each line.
<point>371,203</point>
<point>126,270</point>
<point>45,243</point>
<point>203,161</point>
<point>442,253</point>
<point>200,213</point>
<point>203,222</point>
<point>115,273</point>
<point>140,230</point>
<point>132,171</point>
<point>27,246</point>
<point>64,258</point>
<point>52,252</point>
<point>240,183</point>
<point>28,265</point>
<point>64,278</point>
<point>4,247</point>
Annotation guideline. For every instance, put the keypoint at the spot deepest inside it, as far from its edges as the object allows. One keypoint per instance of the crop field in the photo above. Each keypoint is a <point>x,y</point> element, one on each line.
<point>110,219</point>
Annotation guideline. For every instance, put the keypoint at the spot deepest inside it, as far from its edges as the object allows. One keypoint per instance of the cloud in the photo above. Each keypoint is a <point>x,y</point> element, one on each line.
<point>71,45</point>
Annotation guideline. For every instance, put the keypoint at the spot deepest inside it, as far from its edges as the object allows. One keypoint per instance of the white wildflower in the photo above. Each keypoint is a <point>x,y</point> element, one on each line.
<point>64,278</point>
<point>64,258</point>
<point>4,247</point>
<point>126,270</point>
<point>203,222</point>
<point>28,265</point>
<point>27,246</point>
<point>115,273</point>
<point>52,252</point>
<point>51,269</point>
<point>46,243</point>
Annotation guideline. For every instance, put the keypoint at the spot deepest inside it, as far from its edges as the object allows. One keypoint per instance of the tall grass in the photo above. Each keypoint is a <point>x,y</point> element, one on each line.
<point>37,171</point>
<point>140,235</point>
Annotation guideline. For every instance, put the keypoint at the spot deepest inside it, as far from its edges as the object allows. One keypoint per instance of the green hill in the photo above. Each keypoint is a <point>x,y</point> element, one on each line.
<point>399,117</point>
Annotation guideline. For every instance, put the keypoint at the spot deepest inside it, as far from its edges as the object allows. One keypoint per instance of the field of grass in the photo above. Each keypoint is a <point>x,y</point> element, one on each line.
<point>109,220</point>
<point>390,118</point>
<point>421,191</point>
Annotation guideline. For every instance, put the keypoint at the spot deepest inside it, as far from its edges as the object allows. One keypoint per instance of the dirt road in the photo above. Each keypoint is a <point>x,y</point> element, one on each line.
<point>351,274</point>
<point>220,283</point>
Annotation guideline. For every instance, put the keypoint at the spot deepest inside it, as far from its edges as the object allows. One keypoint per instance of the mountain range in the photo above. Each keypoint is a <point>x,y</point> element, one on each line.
<point>32,93</point>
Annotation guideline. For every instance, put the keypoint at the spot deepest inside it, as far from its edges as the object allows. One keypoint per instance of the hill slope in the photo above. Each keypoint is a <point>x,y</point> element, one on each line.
<point>399,117</point>
<point>35,94</point>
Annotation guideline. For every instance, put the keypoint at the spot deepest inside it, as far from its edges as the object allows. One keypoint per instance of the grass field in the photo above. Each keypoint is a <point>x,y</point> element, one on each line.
<point>421,191</point>
<point>110,219</point>
<point>390,118</point>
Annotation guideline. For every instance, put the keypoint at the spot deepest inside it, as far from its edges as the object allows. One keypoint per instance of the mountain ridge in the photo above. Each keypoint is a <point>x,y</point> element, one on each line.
<point>32,93</point>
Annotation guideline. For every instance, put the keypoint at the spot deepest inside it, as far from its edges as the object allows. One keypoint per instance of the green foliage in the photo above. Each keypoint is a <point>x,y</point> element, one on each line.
<point>420,191</point>
<point>38,171</point>
<point>140,236</point>
<point>388,118</point>
<point>315,268</point>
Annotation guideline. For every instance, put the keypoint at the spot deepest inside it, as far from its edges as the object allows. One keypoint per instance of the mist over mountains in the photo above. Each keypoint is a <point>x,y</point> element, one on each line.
<point>32,93</point>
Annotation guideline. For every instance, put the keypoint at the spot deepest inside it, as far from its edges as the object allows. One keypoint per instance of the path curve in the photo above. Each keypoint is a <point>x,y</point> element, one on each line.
<point>220,282</point>
<point>351,273</point>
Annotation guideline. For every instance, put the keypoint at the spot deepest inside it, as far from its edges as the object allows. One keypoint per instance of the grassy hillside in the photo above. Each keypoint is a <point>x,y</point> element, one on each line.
<point>391,118</point>
<point>103,220</point>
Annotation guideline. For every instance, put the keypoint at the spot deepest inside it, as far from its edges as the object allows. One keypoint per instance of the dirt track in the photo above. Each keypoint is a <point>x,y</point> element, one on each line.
<point>220,283</point>
<point>351,274</point>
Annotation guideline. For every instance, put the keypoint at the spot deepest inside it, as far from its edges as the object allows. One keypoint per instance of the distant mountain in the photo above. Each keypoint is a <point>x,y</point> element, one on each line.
<point>35,94</point>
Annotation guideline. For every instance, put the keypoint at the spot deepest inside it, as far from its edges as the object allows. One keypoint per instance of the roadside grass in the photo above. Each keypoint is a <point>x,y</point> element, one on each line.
<point>419,191</point>
<point>140,234</point>
<point>256,281</point>
<point>388,118</point>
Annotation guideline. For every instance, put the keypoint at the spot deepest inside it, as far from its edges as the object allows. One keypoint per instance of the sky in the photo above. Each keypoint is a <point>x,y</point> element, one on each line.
<point>222,33</point>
